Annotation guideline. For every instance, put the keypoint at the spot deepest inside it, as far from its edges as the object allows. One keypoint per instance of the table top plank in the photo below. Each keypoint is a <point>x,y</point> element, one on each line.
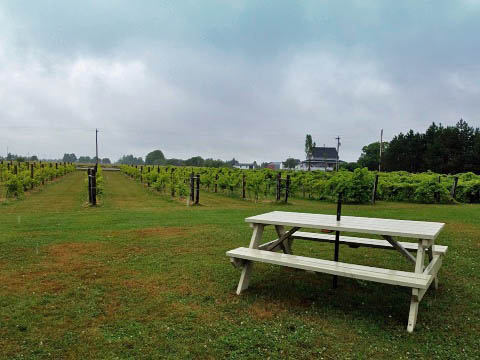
<point>404,228</point>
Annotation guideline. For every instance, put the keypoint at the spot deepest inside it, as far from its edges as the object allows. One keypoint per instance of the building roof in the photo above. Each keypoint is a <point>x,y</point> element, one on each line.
<point>321,153</point>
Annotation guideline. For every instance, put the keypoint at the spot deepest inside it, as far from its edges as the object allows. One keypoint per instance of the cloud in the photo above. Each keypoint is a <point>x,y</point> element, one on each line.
<point>243,79</point>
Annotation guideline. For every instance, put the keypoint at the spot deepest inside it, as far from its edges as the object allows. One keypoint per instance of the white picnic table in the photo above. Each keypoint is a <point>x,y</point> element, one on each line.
<point>419,279</point>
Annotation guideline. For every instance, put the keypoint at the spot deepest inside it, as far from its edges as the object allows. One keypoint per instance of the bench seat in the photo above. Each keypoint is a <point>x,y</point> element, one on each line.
<point>386,276</point>
<point>356,241</point>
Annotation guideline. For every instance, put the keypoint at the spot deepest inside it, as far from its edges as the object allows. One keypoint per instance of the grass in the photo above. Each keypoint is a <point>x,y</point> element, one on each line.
<point>142,276</point>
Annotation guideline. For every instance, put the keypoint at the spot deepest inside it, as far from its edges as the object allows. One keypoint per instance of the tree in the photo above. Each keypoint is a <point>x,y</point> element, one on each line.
<point>451,149</point>
<point>309,146</point>
<point>195,161</point>
<point>232,162</point>
<point>34,158</point>
<point>290,163</point>
<point>130,160</point>
<point>69,158</point>
<point>155,157</point>
<point>350,166</point>
<point>85,159</point>
<point>213,163</point>
<point>370,156</point>
<point>175,162</point>
<point>106,161</point>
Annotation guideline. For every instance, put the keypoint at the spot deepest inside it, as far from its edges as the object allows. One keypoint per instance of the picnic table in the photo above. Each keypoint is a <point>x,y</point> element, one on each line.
<point>419,280</point>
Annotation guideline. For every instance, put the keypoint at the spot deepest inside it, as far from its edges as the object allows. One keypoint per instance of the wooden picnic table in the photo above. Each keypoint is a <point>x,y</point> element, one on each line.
<point>419,280</point>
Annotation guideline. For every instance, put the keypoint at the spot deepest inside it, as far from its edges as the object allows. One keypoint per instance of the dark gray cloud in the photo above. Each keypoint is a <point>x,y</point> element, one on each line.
<point>236,79</point>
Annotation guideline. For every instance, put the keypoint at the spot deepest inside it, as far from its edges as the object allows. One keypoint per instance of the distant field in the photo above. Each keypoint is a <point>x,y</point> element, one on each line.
<point>143,276</point>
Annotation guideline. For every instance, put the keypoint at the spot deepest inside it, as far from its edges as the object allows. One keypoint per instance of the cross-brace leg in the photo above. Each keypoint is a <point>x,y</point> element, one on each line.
<point>248,265</point>
<point>419,264</point>
<point>430,258</point>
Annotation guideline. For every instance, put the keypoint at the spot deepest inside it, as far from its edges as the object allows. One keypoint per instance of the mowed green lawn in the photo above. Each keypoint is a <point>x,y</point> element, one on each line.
<point>142,276</point>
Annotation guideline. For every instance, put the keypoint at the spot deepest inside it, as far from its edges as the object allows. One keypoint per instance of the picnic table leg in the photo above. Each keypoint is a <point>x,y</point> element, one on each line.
<point>287,244</point>
<point>419,264</point>
<point>248,265</point>
<point>430,258</point>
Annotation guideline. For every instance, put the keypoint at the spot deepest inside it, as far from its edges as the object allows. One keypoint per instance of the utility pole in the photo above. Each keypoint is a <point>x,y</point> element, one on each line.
<point>96,147</point>
<point>338,149</point>
<point>381,146</point>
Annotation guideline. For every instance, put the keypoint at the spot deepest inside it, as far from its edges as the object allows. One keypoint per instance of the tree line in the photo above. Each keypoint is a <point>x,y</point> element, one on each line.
<point>157,157</point>
<point>441,149</point>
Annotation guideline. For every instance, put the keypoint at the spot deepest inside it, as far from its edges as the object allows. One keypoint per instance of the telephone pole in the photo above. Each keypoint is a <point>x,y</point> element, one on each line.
<point>96,147</point>
<point>381,145</point>
<point>338,149</point>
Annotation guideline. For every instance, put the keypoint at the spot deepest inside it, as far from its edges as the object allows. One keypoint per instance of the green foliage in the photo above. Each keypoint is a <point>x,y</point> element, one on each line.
<point>290,163</point>
<point>370,157</point>
<point>155,157</point>
<point>431,191</point>
<point>357,185</point>
<point>447,150</point>
<point>14,186</point>
<point>309,145</point>
<point>17,176</point>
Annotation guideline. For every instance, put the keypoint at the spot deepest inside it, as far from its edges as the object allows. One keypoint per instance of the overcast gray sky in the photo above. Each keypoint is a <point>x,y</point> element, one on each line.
<point>223,79</point>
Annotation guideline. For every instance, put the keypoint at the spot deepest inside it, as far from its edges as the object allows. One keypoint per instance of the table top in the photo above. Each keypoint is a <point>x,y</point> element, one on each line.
<point>392,227</point>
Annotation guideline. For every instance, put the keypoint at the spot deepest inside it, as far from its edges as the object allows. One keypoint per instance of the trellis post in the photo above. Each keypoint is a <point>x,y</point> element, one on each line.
<point>197,193</point>
<point>31,174</point>
<point>243,186</point>
<point>287,188</point>
<point>192,193</point>
<point>453,193</point>
<point>279,179</point>
<point>337,236</point>
<point>374,193</point>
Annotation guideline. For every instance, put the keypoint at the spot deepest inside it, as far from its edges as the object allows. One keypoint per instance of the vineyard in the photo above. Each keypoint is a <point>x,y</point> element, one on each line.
<point>359,186</point>
<point>18,177</point>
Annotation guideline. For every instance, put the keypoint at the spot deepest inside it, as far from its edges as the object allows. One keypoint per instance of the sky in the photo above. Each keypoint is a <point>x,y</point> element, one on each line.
<point>232,78</point>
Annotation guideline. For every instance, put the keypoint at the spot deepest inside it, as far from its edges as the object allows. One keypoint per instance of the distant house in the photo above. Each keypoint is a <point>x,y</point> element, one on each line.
<point>245,166</point>
<point>324,158</point>
<point>275,165</point>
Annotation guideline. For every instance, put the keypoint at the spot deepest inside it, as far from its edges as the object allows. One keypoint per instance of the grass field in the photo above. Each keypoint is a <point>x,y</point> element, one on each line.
<point>142,276</point>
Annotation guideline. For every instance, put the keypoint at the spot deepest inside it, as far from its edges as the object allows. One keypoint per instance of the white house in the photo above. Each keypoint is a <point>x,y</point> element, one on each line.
<point>324,158</point>
<point>245,166</point>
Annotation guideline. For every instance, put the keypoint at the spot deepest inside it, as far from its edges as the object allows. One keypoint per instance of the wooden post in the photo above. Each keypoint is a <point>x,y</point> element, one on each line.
<point>89,174</point>
<point>197,193</point>
<point>94,188</point>
<point>216,182</point>
<point>287,188</point>
<point>15,169</point>
<point>337,236</point>
<point>192,188</point>
<point>31,174</point>
<point>243,186</point>
<point>374,193</point>
<point>437,194</point>
<point>171,182</point>
<point>141,174</point>
<point>279,179</point>
<point>453,193</point>
<point>158,169</point>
